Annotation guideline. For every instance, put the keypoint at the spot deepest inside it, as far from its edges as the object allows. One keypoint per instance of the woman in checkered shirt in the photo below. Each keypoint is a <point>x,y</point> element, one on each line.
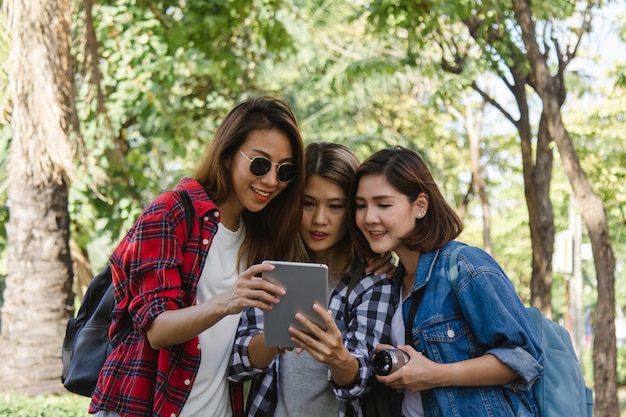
<point>330,372</point>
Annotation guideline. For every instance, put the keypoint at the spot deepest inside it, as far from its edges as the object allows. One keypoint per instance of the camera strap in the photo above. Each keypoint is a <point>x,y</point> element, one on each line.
<point>416,299</point>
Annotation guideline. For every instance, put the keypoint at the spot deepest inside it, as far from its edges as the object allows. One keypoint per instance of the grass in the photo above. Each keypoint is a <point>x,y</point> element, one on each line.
<point>14,405</point>
<point>76,406</point>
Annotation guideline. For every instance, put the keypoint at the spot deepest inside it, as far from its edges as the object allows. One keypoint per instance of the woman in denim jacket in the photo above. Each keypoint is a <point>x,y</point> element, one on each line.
<point>472,354</point>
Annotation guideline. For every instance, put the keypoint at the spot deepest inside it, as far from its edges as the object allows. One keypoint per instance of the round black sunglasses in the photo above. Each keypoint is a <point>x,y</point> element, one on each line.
<point>260,166</point>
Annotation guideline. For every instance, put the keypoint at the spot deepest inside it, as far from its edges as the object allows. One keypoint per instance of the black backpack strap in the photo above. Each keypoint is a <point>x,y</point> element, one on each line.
<point>416,299</point>
<point>355,277</point>
<point>188,210</point>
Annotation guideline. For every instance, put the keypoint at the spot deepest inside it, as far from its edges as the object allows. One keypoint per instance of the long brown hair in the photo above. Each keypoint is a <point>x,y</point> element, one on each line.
<point>406,171</point>
<point>271,232</point>
<point>336,163</point>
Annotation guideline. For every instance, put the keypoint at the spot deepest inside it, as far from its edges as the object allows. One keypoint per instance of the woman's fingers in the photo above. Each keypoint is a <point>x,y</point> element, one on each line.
<point>384,264</point>
<point>321,344</point>
<point>250,290</point>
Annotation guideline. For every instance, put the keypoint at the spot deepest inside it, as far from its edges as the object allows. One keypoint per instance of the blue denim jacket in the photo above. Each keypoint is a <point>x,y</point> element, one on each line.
<point>487,318</point>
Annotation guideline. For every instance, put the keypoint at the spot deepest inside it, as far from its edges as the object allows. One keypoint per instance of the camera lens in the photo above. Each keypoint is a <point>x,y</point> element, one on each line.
<point>382,363</point>
<point>388,361</point>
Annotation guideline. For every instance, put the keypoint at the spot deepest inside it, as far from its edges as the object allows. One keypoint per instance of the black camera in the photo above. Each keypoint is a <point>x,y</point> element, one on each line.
<point>388,361</point>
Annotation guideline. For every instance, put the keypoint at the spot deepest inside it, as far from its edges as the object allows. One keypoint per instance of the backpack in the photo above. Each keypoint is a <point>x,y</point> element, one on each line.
<point>561,390</point>
<point>86,344</point>
<point>376,402</point>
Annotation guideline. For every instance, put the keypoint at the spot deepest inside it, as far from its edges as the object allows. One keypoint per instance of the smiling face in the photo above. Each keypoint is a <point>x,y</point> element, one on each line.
<point>253,192</point>
<point>384,215</point>
<point>324,217</point>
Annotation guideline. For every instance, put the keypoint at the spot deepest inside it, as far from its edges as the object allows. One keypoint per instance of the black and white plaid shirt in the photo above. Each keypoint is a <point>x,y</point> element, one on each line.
<point>370,309</point>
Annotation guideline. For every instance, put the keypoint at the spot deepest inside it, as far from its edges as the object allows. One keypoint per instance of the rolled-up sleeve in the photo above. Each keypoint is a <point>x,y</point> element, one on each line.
<point>250,324</point>
<point>369,323</point>
<point>500,320</point>
<point>150,261</point>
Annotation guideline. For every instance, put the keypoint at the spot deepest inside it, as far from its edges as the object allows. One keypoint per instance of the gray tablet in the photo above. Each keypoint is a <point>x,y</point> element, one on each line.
<point>305,284</point>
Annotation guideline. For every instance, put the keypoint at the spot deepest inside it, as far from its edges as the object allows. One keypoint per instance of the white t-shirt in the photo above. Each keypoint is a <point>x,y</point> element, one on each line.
<point>209,394</point>
<point>412,402</point>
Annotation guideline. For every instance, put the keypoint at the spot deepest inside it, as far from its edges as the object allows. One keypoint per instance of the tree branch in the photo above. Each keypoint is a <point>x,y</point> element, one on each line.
<point>494,103</point>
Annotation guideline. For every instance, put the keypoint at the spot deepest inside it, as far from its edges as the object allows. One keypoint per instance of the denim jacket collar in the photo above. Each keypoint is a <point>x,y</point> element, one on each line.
<point>424,271</point>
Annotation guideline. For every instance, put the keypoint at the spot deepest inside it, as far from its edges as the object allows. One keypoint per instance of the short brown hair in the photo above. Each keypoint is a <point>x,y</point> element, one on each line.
<point>406,172</point>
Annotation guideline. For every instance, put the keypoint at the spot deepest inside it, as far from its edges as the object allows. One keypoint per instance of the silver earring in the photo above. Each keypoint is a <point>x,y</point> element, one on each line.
<point>421,214</point>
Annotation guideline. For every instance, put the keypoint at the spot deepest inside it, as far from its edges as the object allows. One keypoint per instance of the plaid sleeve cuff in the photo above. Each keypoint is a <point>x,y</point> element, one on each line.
<point>356,389</point>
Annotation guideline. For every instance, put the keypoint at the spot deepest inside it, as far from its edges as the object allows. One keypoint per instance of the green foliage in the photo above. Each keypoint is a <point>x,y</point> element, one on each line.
<point>169,73</point>
<point>5,141</point>
<point>601,142</point>
<point>621,365</point>
<point>4,211</point>
<point>43,406</point>
<point>358,89</point>
<point>510,233</point>
<point>5,42</point>
<point>471,36</point>
<point>587,366</point>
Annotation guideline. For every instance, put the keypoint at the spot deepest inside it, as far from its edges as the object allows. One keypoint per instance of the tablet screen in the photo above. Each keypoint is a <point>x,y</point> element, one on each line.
<point>305,284</point>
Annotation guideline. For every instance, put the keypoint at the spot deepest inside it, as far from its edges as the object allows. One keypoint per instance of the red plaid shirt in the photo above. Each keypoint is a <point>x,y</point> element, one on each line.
<point>156,268</point>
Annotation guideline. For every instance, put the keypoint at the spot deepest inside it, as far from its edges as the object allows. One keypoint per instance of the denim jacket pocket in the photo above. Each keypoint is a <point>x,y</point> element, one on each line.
<point>449,341</point>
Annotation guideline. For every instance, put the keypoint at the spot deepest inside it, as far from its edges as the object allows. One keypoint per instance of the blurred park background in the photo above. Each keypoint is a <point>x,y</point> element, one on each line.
<point>519,108</point>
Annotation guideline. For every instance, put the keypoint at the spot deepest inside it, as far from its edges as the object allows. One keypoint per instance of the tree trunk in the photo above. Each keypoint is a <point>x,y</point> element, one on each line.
<point>37,290</point>
<point>537,172</point>
<point>38,294</point>
<point>594,216</point>
<point>540,216</point>
<point>541,284</point>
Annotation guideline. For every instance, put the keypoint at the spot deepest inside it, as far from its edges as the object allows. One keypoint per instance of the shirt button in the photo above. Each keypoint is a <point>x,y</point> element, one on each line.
<point>198,346</point>
<point>216,213</point>
<point>187,382</point>
<point>206,218</point>
<point>205,241</point>
<point>172,415</point>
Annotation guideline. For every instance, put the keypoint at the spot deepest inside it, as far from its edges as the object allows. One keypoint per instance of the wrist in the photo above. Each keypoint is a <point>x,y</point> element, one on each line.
<point>446,376</point>
<point>344,373</point>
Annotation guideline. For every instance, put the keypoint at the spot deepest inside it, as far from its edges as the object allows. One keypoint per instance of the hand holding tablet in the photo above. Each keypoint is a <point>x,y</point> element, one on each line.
<point>305,284</point>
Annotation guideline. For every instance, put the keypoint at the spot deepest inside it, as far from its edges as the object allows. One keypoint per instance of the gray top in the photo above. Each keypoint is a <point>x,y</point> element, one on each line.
<point>303,386</point>
<point>304,389</point>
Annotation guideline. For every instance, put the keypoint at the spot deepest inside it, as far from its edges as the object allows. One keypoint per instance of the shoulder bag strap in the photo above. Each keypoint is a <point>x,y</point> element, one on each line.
<point>355,277</point>
<point>454,270</point>
<point>416,299</point>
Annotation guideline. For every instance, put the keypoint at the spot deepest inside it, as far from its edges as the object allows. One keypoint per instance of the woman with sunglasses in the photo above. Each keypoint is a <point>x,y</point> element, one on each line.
<point>185,293</point>
<point>333,374</point>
